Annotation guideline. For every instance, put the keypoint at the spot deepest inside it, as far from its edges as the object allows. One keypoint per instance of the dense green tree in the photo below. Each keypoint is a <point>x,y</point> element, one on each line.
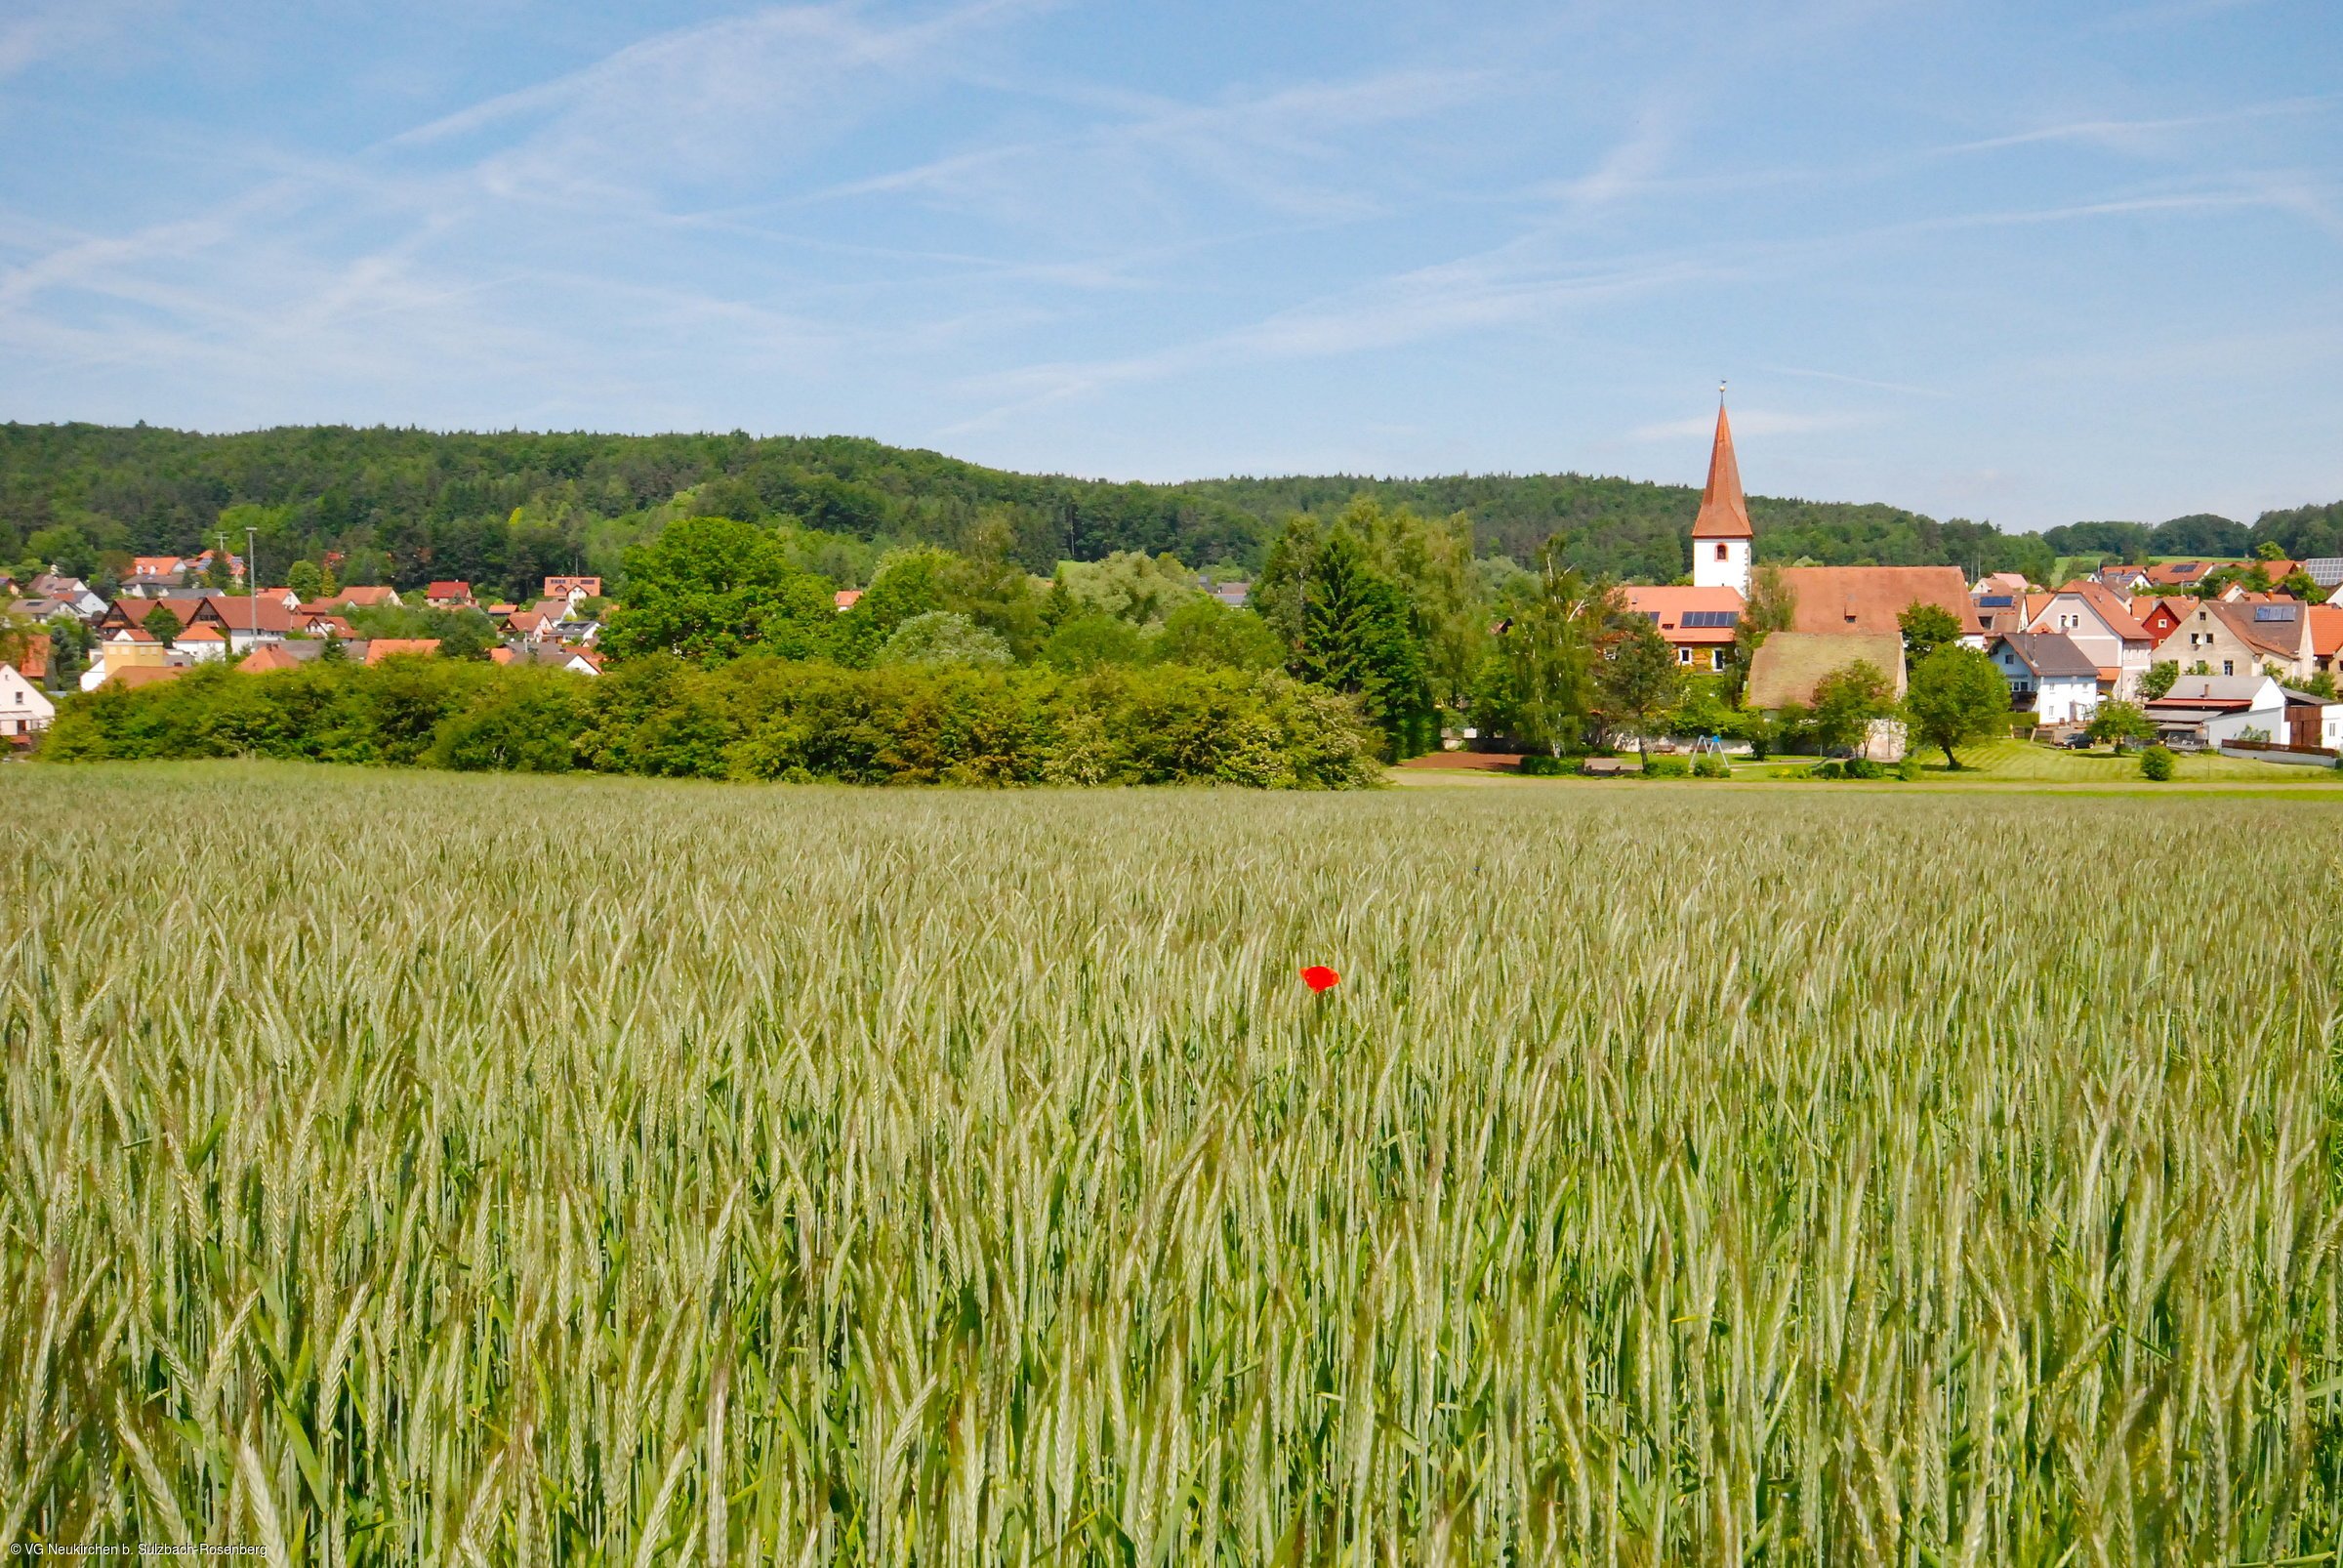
<point>1207,634</point>
<point>1956,696</point>
<point>1845,703</point>
<point>1129,585</point>
<point>306,578</point>
<point>2121,723</point>
<point>711,588</point>
<point>1357,637</point>
<point>944,636</point>
<point>1927,628</point>
<point>1539,686</point>
<point>1088,642</point>
<point>2158,678</point>
<point>1638,678</point>
<point>162,623</point>
<point>1769,608</point>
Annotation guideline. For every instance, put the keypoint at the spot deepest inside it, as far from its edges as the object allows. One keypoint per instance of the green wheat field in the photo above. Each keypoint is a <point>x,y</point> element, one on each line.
<point>426,1169</point>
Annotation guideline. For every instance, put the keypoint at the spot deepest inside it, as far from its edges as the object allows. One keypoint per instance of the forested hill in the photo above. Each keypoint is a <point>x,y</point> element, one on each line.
<point>503,508</point>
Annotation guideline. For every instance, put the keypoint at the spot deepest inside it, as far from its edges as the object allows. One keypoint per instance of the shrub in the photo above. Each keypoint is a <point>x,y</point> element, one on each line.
<point>1908,769</point>
<point>1711,765</point>
<point>1540,765</point>
<point>1831,770</point>
<point>1863,768</point>
<point>2157,762</point>
<point>756,717</point>
<point>1666,768</point>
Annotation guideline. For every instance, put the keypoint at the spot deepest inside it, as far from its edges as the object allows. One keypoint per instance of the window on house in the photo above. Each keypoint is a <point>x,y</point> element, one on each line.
<point>2229,666</point>
<point>1683,655</point>
<point>1720,552</point>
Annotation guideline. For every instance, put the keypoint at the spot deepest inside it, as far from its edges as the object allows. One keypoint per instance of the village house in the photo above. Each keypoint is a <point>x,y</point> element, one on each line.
<point>2049,673</point>
<point>572,589</point>
<point>2123,580</point>
<point>2203,711</point>
<point>2159,618</point>
<point>353,598</point>
<point>1698,623</point>
<point>25,708</point>
<point>448,596</point>
<point>2102,626</point>
<point>2236,639</point>
<point>244,621</point>
<point>1871,599</point>
<point>400,647</point>
<point>2326,634</point>
<point>2171,574</point>
<point>1789,669</point>
<point>1998,612</point>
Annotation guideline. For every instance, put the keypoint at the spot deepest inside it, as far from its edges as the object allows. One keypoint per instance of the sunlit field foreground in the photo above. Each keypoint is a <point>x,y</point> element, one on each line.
<point>439,1169</point>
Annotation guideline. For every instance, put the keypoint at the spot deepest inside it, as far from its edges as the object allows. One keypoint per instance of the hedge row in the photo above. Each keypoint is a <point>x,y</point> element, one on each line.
<point>756,719</point>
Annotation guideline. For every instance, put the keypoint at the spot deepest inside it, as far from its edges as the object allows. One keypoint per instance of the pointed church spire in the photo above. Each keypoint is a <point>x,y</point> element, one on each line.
<point>1724,511</point>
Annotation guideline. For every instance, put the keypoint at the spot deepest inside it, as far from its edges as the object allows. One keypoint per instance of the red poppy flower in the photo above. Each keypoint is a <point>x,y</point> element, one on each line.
<point>1318,977</point>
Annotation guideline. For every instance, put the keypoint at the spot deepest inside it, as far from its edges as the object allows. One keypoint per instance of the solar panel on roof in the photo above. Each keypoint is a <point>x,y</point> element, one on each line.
<point>1711,618</point>
<point>2275,612</point>
<point>1997,602</point>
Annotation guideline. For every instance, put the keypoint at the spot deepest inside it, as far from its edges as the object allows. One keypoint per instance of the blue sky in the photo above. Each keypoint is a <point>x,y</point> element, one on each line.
<point>2032,262</point>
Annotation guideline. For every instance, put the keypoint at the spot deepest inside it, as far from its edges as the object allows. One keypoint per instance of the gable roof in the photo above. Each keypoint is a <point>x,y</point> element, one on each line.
<point>2052,655</point>
<point>392,647</point>
<point>2113,609</point>
<point>449,588</point>
<point>2201,690</point>
<point>2271,635</point>
<point>1869,599</point>
<point>1788,665</point>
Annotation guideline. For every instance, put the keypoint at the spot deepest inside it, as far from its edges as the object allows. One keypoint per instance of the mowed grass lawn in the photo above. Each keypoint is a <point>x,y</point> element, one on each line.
<point>414,1168</point>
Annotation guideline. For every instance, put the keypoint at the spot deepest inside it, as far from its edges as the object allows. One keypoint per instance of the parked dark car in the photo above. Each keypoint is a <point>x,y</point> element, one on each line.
<point>2079,742</point>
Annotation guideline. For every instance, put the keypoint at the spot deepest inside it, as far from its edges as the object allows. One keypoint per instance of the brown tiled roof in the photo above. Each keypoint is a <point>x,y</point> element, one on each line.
<point>392,647</point>
<point>2050,653</point>
<point>1869,599</point>
<point>1788,665</point>
<point>1724,509</point>
<point>2280,638</point>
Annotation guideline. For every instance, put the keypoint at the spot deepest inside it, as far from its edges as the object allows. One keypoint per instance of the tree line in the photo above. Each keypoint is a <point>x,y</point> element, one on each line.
<point>505,510</point>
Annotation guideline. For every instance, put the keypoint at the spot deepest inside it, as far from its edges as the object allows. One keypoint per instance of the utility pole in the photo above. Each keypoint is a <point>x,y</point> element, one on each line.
<point>251,582</point>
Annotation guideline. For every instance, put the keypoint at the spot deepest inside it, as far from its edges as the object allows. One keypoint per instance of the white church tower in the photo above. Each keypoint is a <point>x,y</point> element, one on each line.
<point>1721,536</point>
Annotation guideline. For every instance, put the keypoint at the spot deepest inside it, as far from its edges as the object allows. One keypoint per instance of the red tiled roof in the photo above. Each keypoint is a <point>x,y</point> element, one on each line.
<point>267,657</point>
<point>1724,509</point>
<point>392,647</point>
<point>845,597</point>
<point>2327,629</point>
<point>1670,605</point>
<point>449,589</point>
<point>1869,599</point>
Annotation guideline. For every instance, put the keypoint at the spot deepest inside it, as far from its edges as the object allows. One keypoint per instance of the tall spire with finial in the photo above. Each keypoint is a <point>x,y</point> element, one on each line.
<point>1724,509</point>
